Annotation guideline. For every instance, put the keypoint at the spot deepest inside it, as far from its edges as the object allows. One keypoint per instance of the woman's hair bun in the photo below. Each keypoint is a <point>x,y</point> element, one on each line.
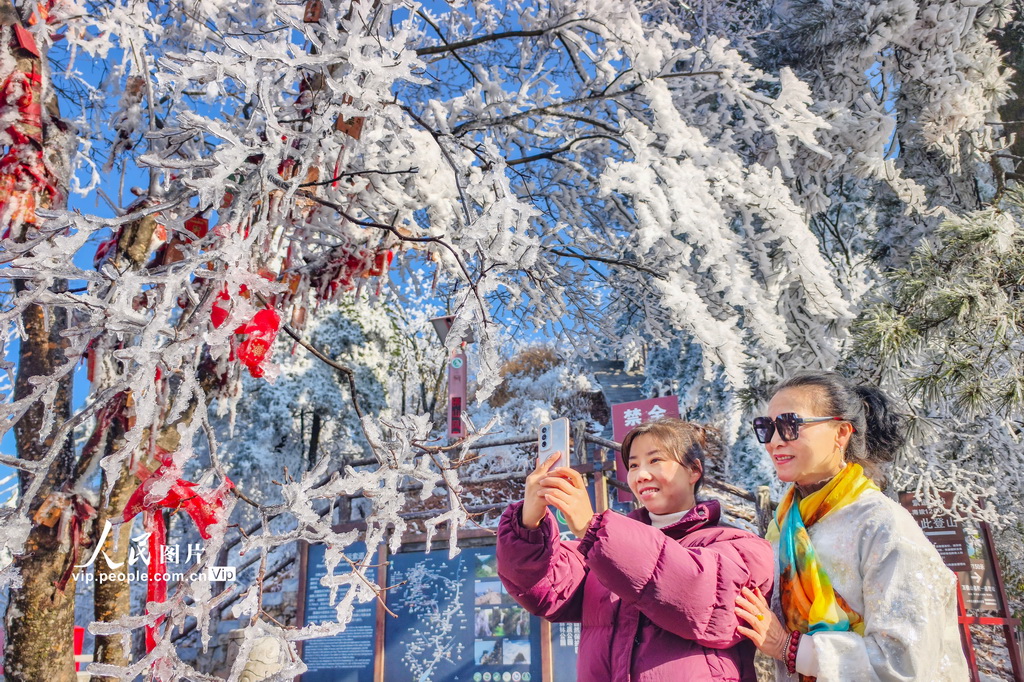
<point>886,428</point>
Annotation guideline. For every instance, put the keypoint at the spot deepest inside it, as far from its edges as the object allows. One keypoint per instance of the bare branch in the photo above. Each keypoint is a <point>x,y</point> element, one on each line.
<point>610,261</point>
<point>505,35</point>
<point>561,150</point>
<point>323,183</point>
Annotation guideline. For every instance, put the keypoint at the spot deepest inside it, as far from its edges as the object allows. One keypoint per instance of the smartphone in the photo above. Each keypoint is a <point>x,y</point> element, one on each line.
<point>554,437</point>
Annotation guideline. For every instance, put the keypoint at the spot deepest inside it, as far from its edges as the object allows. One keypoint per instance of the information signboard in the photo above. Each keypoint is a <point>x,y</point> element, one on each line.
<point>964,551</point>
<point>978,582</point>
<point>348,656</point>
<point>456,623</point>
<point>968,549</point>
<point>565,649</point>
<point>945,532</point>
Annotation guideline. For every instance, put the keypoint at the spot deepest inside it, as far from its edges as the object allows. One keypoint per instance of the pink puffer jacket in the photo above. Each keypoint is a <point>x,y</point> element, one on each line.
<point>656,605</point>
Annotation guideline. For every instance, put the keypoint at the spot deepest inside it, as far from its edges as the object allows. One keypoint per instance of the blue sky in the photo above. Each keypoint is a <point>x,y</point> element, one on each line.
<point>93,204</point>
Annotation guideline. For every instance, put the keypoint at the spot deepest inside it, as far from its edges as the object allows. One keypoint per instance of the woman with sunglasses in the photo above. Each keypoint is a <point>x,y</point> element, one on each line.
<point>862,595</point>
<point>654,590</point>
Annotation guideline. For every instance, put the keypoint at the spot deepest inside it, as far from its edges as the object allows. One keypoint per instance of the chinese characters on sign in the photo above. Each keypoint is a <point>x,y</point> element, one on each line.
<point>635,416</point>
<point>964,551</point>
<point>565,648</point>
<point>943,530</point>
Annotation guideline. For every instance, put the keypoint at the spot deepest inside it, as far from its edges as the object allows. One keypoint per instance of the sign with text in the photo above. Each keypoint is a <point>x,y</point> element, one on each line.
<point>455,621</point>
<point>945,532</point>
<point>348,656</point>
<point>965,550</point>
<point>978,583</point>
<point>625,416</point>
<point>565,649</point>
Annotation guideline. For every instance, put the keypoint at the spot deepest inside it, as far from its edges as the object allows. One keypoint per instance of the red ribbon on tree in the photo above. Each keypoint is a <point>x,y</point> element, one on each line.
<point>219,312</point>
<point>74,514</point>
<point>23,173</point>
<point>349,265</point>
<point>260,334</point>
<point>205,511</point>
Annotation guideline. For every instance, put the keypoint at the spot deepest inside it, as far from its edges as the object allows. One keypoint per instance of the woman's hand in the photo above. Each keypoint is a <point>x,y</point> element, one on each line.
<point>765,630</point>
<point>534,502</point>
<point>566,491</point>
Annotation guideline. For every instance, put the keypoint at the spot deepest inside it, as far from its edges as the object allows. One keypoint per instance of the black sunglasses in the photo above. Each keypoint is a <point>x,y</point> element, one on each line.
<point>788,426</point>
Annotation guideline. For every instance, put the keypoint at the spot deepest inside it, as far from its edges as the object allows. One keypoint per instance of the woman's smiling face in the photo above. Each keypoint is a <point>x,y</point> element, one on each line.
<point>659,481</point>
<point>817,454</point>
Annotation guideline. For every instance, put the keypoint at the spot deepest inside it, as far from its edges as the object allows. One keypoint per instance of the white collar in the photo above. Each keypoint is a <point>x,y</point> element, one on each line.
<point>662,520</point>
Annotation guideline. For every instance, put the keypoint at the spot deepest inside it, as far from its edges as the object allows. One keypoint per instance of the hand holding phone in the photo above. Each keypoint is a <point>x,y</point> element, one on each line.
<point>551,438</point>
<point>564,490</point>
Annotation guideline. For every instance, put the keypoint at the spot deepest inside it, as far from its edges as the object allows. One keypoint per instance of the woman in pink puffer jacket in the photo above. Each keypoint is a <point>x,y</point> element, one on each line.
<point>655,590</point>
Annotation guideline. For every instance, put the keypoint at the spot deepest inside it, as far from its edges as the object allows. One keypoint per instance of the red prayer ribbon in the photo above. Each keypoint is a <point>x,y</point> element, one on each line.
<point>260,335</point>
<point>81,514</point>
<point>205,511</point>
<point>23,173</point>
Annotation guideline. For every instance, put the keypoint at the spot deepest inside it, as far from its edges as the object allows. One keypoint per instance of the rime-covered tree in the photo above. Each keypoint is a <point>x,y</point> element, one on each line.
<point>948,335</point>
<point>604,173</point>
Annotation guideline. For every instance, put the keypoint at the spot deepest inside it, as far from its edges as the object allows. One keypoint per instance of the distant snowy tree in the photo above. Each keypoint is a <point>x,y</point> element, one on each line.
<point>306,413</point>
<point>1009,166</point>
<point>537,386</point>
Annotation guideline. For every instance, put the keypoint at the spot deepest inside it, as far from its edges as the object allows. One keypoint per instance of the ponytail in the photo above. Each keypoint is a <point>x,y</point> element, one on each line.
<point>885,434</point>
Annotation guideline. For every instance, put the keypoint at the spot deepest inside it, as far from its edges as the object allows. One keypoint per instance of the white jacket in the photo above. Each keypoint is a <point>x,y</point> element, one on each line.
<point>885,568</point>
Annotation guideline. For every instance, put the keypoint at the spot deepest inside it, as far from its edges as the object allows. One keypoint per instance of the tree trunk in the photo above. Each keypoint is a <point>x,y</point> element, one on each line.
<point>1012,111</point>
<point>40,617</point>
<point>111,596</point>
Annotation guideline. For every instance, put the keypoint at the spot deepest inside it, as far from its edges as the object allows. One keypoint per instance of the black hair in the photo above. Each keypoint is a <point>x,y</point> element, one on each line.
<point>879,429</point>
<point>688,443</point>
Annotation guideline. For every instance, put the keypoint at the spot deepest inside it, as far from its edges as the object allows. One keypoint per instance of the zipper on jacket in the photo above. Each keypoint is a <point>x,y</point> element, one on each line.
<point>639,628</point>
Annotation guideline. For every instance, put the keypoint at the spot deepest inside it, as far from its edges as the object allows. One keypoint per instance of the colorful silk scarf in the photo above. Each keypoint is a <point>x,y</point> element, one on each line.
<point>808,600</point>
